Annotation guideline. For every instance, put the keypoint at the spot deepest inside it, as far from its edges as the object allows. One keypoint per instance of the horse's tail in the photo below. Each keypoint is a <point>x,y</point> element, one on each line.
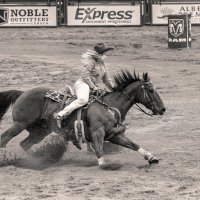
<point>7,98</point>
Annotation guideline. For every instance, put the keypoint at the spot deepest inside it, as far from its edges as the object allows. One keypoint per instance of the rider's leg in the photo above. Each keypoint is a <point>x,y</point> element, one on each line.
<point>82,92</point>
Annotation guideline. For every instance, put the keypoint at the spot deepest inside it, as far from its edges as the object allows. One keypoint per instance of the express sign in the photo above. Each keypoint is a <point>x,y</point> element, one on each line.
<point>104,15</point>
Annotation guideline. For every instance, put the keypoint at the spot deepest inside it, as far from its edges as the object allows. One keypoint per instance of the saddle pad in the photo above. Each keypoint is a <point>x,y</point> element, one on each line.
<point>54,95</point>
<point>55,102</point>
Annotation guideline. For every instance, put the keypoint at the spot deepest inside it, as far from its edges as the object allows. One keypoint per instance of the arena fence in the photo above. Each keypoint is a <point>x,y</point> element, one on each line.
<point>53,13</point>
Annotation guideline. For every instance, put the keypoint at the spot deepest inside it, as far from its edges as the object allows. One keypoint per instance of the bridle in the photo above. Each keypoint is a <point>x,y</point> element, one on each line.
<point>146,95</point>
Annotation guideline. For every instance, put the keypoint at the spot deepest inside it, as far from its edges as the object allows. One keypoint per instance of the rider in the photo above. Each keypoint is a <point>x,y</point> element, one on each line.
<point>94,71</point>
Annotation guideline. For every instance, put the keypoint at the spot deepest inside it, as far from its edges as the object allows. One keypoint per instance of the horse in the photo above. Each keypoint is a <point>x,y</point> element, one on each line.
<point>99,122</point>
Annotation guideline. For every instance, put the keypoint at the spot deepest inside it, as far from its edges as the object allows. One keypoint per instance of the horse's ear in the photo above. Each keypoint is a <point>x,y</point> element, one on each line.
<point>146,77</point>
<point>136,75</point>
<point>143,76</point>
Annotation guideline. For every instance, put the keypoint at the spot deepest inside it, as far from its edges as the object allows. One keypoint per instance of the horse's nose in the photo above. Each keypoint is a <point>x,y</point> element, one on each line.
<point>163,110</point>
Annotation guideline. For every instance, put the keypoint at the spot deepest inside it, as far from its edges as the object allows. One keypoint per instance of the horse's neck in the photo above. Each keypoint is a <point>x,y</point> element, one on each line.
<point>118,100</point>
<point>123,100</point>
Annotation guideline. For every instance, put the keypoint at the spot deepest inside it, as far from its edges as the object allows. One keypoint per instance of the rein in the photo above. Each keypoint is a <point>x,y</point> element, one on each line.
<point>146,95</point>
<point>132,100</point>
<point>142,110</point>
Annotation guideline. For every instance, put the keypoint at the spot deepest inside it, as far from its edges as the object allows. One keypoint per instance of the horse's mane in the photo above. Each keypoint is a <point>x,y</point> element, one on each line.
<point>124,78</point>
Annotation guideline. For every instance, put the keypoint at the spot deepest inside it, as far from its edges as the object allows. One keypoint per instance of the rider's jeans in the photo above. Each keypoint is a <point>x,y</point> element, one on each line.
<point>82,91</point>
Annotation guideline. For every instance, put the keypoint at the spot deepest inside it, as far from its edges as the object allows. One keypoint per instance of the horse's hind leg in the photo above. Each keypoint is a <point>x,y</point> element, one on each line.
<point>38,131</point>
<point>14,130</point>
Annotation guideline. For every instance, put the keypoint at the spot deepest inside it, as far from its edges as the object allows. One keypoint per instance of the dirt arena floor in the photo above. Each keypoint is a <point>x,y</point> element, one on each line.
<point>32,57</point>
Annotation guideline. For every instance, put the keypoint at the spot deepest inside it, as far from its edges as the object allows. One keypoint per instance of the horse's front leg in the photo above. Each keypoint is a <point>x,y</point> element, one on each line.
<point>122,140</point>
<point>97,140</point>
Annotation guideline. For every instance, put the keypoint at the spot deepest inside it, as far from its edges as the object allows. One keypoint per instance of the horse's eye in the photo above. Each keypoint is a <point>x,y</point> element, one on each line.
<point>151,90</point>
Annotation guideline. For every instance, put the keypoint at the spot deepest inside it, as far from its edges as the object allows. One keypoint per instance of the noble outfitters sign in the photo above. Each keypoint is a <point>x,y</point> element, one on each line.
<point>179,31</point>
<point>104,15</point>
<point>14,16</point>
<point>160,12</point>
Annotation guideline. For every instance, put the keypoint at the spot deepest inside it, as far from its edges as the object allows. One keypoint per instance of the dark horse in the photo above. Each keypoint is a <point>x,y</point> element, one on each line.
<point>98,121</point>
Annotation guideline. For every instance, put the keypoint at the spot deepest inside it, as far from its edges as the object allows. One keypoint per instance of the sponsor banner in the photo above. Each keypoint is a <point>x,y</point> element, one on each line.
<point>22,16</point>
<point>179,31</point>
<point>160,12</point>
<point>104,15</point>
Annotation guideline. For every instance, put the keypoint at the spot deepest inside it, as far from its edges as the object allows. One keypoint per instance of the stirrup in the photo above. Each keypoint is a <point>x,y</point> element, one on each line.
<point>66,116</point>
<point>58,120</point>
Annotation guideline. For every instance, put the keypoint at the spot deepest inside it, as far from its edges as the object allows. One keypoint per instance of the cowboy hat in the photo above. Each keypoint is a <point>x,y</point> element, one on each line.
<point>101,48</point>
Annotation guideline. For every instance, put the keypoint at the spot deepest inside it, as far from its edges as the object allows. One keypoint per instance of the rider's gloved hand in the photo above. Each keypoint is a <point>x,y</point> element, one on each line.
<point>95,91</point>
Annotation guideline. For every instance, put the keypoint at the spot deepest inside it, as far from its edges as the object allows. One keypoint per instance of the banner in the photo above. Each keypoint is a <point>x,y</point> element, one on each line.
<point>27,16</point>
<point>179,31</point>
<point>104,15</point>
<point>160,12</point>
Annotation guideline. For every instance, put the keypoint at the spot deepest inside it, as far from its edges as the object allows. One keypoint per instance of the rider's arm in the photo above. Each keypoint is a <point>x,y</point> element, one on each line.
<point>108,81</point>
<point>86,74</point>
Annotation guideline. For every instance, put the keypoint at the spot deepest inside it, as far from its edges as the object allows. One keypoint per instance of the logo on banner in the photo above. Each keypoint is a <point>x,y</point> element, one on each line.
<point>3,16</point>
<point>94,15</point>
<point>176,27</point>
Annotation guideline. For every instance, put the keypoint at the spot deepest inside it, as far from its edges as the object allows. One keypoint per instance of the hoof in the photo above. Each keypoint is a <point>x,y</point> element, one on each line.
<point>153,160</point>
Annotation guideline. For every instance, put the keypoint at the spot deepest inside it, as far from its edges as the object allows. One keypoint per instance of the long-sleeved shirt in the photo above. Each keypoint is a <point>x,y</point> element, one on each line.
<point>95,71</point>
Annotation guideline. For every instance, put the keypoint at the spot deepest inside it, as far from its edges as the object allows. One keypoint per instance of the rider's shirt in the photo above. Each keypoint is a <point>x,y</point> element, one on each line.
<point>94,71</point>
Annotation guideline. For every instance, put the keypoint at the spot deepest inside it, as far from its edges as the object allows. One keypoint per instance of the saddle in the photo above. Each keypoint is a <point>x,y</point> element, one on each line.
<point>56,101</point>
